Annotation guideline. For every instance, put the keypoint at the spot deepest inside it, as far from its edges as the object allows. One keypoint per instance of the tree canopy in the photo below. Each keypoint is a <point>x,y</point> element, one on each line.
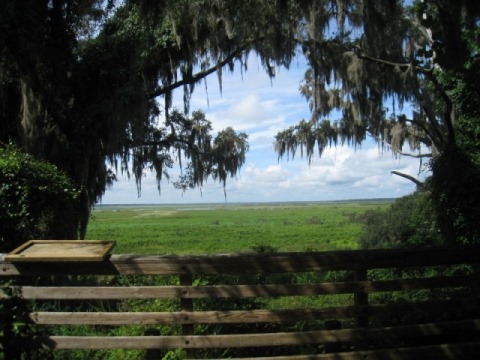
<point>405,76</point>
<point>386,55</point>
<point>87,85</point>
<point>81,83</point>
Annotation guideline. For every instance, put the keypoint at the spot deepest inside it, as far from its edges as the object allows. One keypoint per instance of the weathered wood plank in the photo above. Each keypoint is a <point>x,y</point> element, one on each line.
<point>252,263</point>
<point>186,305</point>
<point>256,340</point>
<point>470,306</point>
<point>180,292</point>
<point>459,351</point>
<point>194,342</point>
<point>171,318</point>
<point>227,291</point>
<point>456,351</point>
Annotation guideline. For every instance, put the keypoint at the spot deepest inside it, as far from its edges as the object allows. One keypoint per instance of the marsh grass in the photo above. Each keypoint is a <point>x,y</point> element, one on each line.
<point>213,228</point>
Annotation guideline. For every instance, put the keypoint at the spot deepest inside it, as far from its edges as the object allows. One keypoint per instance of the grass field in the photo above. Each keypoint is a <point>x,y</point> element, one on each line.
<point>226,228</point>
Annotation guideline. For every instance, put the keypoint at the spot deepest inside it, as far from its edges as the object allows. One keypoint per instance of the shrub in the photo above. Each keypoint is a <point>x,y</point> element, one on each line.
<point>409,222</point>
<point>37,200</point>
<point>456,195</point>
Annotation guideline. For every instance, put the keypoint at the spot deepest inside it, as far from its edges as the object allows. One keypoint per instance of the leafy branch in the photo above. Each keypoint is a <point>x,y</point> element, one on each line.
<point>198,76</point>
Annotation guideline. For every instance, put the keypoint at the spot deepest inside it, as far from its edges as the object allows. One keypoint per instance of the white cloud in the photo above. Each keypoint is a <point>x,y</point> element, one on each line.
<point>247,113</point>
<point>367,182</point>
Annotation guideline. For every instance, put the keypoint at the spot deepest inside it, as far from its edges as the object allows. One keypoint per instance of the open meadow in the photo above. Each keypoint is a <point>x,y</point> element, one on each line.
<point>226,228</point>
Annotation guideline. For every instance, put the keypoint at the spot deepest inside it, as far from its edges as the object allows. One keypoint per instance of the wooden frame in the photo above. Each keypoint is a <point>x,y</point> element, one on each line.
<point>61,250</point>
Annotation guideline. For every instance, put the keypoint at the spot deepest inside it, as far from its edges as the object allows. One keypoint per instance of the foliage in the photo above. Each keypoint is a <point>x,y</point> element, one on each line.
<point>228,150</point>
<point>456,188</point>
<point>456,195</point>
<point>388,55</point>
<point>374,65</point>
<point>86,100</point>
<point>408,222</point>
<point>38,200</point>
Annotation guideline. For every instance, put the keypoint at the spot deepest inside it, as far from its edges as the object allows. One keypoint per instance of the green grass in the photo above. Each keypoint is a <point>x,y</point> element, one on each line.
<point>214,228</point>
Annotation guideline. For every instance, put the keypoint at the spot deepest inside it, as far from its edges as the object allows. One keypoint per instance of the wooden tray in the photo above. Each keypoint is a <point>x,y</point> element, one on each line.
<point>61,250</point>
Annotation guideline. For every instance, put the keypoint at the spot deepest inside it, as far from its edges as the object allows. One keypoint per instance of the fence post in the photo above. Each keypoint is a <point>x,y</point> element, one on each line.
<point>334,346</point>
<point>152,354</point>
<point>361,297</point>
<point>187,305</point>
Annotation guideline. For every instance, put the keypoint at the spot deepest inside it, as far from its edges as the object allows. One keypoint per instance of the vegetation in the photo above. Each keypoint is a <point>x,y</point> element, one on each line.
<point>87,86</point>
<point>90,100</point>
<point>408,222</point>
<point>211,228</point>
<point>38,200</point>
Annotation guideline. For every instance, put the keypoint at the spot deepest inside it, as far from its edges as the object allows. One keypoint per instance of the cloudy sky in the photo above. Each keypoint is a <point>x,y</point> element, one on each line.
<point>253,103</point>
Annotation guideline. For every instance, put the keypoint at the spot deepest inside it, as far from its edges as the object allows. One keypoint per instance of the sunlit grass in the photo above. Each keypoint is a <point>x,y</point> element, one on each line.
<point>229,228</point>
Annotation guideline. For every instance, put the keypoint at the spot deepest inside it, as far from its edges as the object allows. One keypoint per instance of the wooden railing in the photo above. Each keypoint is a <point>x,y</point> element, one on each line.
<point>434,314</point>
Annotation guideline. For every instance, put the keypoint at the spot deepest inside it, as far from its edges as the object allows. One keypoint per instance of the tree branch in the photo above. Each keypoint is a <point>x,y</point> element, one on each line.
<point>430,133</point>
<point>438,138</point>
<point>411,178</point>
<point>168,144</point>
<point>198,76</point>
<point>449,115</point>
<point>391,64</point>
<point>416,156</point>
<point>383,141</point>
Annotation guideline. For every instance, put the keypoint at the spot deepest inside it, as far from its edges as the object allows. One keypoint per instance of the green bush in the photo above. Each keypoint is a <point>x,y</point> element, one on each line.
<point>408,222</point>
<point>456,195</point>
<point>37,200</point>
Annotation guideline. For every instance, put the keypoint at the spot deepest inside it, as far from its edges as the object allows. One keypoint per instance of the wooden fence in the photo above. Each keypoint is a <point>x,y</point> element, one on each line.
<point>435,313</point>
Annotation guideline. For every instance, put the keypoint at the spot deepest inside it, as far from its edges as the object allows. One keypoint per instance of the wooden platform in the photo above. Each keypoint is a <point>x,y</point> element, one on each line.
<point>61,250</point>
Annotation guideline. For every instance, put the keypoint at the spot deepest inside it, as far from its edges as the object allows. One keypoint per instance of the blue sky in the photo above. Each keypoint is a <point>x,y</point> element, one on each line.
<point>253,103</point>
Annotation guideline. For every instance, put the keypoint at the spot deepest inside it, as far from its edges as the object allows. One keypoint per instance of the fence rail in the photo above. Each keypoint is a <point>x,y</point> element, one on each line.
<point>442,323</point>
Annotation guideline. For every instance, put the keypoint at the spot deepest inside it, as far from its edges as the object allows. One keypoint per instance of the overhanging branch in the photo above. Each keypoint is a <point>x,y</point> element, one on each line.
<point>449,115</point>
<point>198,76</point>
<point>438,139</point>
<point>168,144</point>
<point>411,178</point>
<point>425,129</point>
<point>416,156</point>
<point>386,143</point>
<point>392,64</point>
